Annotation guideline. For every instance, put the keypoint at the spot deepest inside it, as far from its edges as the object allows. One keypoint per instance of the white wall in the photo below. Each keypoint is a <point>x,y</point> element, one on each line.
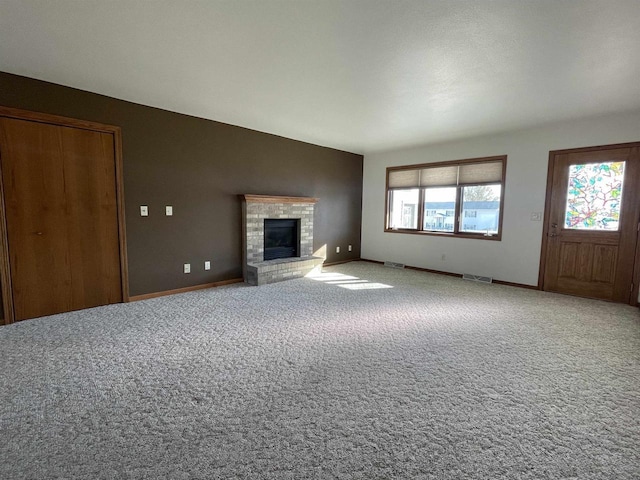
<point>516,258</point>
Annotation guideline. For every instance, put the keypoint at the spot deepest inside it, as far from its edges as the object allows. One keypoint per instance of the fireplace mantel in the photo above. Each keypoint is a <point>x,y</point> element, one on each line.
<point>251,198</point>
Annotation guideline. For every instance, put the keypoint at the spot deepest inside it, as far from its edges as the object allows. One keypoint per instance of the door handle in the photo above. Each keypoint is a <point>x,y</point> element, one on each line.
<point>37,233</point>
<point>553,234</point>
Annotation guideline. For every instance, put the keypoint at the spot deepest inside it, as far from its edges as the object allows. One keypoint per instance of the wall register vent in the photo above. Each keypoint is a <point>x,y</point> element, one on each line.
<point>394,265</point>
<point>477,278</point>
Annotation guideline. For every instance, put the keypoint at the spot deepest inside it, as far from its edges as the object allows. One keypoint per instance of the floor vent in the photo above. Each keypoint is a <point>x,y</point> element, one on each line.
<point>477,278</point>
<point>394,265</point>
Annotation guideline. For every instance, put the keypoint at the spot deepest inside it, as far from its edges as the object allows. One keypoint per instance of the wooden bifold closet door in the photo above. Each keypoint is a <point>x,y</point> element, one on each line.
<point>61,213</point>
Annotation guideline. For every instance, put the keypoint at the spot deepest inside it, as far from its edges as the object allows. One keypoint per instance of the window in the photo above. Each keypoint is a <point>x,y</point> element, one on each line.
<point>460,198</point>
<point>403,208</point>
<point>482,203</point>
<point>438,203</point>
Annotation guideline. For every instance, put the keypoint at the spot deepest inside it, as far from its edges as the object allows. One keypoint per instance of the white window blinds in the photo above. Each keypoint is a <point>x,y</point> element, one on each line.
<point>447,175</point>
<point>475,173</point>
<point>439,176</point>
<point>404,178</point>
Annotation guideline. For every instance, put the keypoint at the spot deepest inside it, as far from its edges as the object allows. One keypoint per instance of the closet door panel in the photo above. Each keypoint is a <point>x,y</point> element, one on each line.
<point>92,217</point>
<point>36,212</point>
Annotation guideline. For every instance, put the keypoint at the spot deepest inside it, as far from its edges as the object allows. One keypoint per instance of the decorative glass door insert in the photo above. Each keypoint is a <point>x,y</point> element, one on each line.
<point>594,196</point>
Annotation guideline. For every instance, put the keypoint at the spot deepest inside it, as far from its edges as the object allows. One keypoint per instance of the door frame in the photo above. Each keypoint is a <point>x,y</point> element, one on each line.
<point>5,271</point>
<point>547,212</point>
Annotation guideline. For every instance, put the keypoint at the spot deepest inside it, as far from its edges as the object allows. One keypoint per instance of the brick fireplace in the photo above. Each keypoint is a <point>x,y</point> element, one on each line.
<point>258,208</point>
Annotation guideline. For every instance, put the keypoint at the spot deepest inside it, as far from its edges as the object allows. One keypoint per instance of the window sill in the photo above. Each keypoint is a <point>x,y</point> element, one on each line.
<point>475,236</point>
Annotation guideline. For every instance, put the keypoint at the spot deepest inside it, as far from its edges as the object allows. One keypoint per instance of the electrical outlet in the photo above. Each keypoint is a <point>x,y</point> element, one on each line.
<point>207,265</point>
<point>337,249</point>
<point>350,248</point>
<point>144,211</point>
<point>187,268</point>
<point>168,210</point>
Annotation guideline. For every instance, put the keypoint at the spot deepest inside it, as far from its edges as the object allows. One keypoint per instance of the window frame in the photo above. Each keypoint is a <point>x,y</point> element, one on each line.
<point>458,201</point>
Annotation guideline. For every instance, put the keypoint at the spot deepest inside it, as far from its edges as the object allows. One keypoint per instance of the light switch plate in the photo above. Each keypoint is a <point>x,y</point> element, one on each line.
<point>207,265</point>
<point>187,268</point>
<point>337,249</point>
<point>536,216</point>
<point>144,211</point>
<point>168,210</point>
<point>350,248</point>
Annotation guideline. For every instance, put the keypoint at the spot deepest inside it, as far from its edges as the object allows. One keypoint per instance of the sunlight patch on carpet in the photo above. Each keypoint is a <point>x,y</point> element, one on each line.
<point>347,281</point>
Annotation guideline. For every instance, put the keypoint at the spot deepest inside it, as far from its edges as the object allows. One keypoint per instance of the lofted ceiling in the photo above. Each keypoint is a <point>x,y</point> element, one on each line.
<point>357,75</point>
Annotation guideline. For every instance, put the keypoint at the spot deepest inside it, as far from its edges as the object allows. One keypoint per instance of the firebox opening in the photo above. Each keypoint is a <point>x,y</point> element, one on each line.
<point>281,238</point>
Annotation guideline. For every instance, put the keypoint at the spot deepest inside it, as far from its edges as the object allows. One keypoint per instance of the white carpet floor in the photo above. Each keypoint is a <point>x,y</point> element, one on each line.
<point>365,372</point>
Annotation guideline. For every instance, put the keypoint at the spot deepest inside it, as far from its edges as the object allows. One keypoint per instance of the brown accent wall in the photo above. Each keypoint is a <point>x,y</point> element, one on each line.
<point>200,167</point>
